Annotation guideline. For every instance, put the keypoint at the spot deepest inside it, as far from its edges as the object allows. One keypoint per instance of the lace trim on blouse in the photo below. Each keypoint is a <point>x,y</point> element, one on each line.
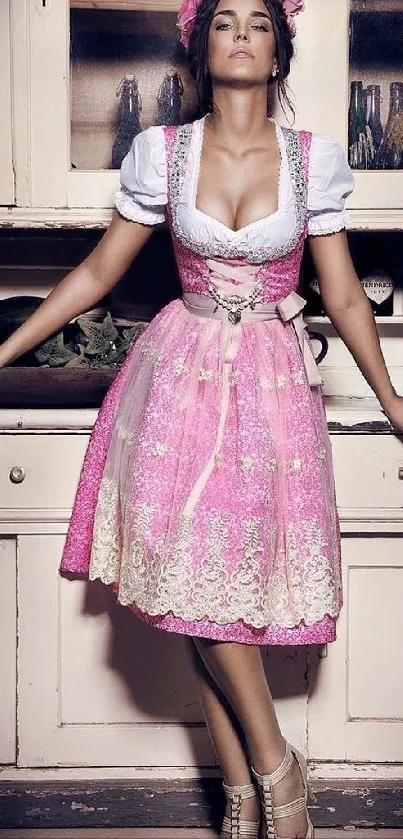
<point>130,208</point>
<point>233,248</point>
<point>328,223</point>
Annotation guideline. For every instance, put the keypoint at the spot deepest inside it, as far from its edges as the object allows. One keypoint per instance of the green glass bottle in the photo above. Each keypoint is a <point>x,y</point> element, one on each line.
<point>361,149</point>
<point>391,151</point>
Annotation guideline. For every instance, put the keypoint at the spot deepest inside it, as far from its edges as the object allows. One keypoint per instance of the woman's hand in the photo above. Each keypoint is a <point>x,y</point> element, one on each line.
<point>394,412</point>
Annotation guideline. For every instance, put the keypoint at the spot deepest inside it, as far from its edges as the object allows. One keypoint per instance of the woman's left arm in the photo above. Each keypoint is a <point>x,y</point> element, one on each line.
<point>349,310</point>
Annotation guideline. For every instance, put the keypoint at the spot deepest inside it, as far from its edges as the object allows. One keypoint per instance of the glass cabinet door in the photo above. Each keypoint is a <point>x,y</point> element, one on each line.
<point>102,71</point>
<point>127,72</point>
<point>375,107</point>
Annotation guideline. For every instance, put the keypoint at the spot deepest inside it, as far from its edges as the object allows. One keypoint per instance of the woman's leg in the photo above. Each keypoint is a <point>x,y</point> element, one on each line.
<point>238,670</point>
<point>226,735</point>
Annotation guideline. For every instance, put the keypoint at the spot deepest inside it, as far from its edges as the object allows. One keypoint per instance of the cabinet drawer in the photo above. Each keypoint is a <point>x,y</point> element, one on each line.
<point>40,470</point>
<point>367,471</point>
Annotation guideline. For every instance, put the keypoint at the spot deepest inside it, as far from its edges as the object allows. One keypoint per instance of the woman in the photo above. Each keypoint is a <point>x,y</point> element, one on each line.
<point>206,498</point>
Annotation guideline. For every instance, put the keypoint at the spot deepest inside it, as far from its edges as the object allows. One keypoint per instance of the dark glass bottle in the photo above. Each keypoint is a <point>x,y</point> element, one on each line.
<point>374,116</point>
<point>129,119</point>
<point>361,151</point>
<point>169,100</point>
<point>391,151</point>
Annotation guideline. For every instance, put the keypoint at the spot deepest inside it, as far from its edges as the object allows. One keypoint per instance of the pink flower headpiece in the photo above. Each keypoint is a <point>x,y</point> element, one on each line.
<point>188,9</point>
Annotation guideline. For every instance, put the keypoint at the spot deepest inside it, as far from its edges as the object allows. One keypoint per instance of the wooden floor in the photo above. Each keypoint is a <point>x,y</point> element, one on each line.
<point>179,833</point>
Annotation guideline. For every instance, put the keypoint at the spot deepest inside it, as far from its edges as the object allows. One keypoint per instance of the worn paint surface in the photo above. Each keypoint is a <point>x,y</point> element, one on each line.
<point>182,803</point>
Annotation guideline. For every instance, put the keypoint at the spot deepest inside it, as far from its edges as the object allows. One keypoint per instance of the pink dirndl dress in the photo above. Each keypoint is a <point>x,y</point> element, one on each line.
<point>206,498</point>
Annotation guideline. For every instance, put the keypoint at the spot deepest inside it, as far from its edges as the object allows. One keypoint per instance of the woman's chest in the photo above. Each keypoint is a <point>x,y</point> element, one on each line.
<point>269,237</point>
<point>238,189</point>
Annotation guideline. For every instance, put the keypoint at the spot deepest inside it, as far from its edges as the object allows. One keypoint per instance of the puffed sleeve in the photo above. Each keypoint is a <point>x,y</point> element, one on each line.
<point>330,182</point>
<point>142,195</point>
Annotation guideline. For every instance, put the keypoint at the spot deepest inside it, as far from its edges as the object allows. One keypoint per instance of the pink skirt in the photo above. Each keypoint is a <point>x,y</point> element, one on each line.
<point>249,554</point>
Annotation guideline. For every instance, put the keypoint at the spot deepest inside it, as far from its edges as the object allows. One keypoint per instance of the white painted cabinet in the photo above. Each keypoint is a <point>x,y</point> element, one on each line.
<point>354,705</point>
<point>66,110</point>
<point>98,688</point>
<point>103,688</point>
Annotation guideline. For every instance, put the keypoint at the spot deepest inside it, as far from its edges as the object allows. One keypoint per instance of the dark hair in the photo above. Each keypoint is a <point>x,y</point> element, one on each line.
<point>197,53</point>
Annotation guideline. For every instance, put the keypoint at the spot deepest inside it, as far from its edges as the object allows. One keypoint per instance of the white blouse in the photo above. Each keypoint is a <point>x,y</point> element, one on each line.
<point>142,195</point>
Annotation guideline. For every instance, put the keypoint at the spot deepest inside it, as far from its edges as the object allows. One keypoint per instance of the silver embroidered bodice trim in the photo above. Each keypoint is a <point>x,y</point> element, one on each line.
<point>255,254</point>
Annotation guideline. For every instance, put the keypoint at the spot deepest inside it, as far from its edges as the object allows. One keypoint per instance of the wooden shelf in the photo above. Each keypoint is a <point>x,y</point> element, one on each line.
<point>50,387</point>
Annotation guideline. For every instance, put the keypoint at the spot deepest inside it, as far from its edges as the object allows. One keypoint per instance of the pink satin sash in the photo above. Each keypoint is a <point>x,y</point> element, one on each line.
<point>289,308</point>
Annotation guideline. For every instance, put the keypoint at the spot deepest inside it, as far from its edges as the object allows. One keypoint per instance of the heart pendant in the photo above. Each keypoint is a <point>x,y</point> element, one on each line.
<point>234,316</point>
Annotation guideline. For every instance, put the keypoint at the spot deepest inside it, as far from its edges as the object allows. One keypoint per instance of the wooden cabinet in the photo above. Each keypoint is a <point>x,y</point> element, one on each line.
<point>65,105</point>
<point>98,688</point>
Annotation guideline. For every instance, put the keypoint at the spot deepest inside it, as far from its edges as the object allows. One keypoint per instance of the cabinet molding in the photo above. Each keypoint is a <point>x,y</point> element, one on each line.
<point>8,649</point>
<point>98,218</point>
<point>6,155</point>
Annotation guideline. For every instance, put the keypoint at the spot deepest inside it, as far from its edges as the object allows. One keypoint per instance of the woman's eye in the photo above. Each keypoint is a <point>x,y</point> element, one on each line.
<point>260,26</point>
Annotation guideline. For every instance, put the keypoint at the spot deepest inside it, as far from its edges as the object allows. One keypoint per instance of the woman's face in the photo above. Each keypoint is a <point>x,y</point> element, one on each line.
<point>236,25</point>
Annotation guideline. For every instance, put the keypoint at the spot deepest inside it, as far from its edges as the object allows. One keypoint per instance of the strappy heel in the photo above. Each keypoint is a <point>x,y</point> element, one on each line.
<point>266,783</point>
<point>233,825</point>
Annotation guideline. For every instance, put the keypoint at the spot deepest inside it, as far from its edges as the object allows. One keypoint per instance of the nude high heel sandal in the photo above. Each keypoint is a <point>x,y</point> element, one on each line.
<point>266,782</point>
<point>233,825</point>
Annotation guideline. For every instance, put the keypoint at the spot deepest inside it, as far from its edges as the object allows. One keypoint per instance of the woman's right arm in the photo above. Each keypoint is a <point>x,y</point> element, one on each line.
<point>81,288</point>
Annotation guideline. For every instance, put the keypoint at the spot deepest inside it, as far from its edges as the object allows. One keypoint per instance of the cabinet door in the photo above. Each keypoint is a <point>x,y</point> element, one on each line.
<point>8,649</point>
<point>376,102</point>
<point>102,688</point>
<point>6,168</point>
<point>80,52</point>
<point>355,704</point>
<point>337,43</point>
<point>70,154</point>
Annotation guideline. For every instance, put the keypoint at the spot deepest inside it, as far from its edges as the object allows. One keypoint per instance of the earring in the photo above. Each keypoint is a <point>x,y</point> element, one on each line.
<point>274,73</point>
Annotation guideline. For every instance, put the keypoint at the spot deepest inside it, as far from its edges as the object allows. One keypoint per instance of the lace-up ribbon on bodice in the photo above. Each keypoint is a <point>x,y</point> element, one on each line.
<point>239,282</point>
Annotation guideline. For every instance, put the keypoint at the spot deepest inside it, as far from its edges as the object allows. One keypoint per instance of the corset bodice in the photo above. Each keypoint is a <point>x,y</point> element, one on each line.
<point>276,267</point>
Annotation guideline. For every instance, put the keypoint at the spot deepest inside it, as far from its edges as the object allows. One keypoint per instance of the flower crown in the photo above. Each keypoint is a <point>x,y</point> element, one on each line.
<point>188,9</point>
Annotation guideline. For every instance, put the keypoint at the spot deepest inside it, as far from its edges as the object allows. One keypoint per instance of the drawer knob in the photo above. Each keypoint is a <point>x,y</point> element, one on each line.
<point>17,474</point>
<point>400,473</point>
